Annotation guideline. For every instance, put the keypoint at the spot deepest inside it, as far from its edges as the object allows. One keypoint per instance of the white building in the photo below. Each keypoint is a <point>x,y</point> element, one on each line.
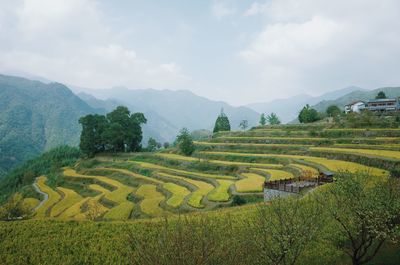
<point>355,106</point>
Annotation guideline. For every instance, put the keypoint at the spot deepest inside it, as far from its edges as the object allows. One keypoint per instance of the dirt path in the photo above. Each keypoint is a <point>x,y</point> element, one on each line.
<point>45,195</point>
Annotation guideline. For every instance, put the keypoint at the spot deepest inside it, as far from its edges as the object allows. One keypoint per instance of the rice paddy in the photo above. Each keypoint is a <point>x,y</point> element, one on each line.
<point>227,165</point>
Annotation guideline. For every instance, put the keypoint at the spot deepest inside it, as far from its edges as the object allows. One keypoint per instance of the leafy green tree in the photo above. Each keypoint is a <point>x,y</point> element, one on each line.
<point>222,123</point>
<point>93,127</point>
<point>273,119</point>
<point>308,115</point>
<point>135,134</point>
<point>263,120</point>
<point>185,142</point>
<point>333,111</point>
<point>381,95</point>
<point>118,131</point>
<point>153,145</point>
<point>366,213</point>
<point>244,124</point>
<point>166,145</point>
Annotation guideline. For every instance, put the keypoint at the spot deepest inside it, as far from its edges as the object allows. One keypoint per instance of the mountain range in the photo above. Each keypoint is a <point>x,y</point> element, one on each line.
<point>287,109</point>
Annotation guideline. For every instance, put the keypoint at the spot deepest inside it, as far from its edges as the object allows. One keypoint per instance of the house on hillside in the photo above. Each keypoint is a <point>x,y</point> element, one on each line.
<point>355,106</point>
<point>384,104</point>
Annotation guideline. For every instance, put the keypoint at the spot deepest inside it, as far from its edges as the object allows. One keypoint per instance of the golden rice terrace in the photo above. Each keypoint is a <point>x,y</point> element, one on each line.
<point>230,164</point>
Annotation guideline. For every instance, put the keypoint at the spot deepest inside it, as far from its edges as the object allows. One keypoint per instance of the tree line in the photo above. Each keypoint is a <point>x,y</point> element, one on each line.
<point>117,131</point>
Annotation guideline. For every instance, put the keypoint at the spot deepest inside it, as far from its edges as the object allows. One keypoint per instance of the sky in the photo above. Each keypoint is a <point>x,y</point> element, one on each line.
<point>240,51</point>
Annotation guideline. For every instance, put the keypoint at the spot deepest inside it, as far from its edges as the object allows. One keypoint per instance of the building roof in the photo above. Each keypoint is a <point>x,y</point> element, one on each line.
<point>382,100</point>
<point>355,102</point>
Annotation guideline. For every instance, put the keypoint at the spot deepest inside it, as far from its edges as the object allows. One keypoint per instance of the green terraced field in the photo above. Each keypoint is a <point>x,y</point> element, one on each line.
<point>250,183</point>
<point>151,200</point>
<point>217,162</point>
<point>196,197</point>
<point>183,172</point>
<point>221,193</point>
<point>54,197</point>
<point>275,174</point>
<point>155,184</point>
<point>179,193</point>
<point>365,152</point>
<point>333,165</point>
<point>69,198</point>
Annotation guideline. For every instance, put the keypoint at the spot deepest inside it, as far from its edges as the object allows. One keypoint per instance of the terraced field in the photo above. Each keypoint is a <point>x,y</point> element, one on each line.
<point>230,164</point>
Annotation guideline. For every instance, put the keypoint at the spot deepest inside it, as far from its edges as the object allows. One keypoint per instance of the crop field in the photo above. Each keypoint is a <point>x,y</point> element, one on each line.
<point>275,174</point>
<point>196,197</point>
<point>151,200</point>
<point>363,152</point>
<point>178,194</point>
<point>54,197</point>
<point>250,183</point>
<point>227,165</point>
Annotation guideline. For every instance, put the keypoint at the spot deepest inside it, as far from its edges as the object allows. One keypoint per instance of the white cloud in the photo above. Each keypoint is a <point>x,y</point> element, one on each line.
<point>310,45</point>
<point>66,41</point>
<point>255,9</point>
<point>222,9</point>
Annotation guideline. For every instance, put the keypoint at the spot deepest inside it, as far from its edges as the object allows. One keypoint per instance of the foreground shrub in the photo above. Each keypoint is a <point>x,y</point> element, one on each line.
<point>366,213</point>
<point>281,231</point>
<point>185,241</point>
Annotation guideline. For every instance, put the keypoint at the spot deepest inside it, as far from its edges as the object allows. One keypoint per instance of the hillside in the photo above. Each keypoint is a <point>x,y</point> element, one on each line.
<point>391,92</point>
<point>35,117</point>
<point>287,114</point>
<point>225,171</point>
<point>230,164</point>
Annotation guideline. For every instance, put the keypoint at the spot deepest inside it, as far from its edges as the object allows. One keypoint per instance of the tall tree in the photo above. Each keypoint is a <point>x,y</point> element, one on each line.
<point>222,123</point>
<point>135,134</point>
<point>273,119</point>
<point>308,114</point>
<point>381,95</point>
<point>333,111</point>
<point>153,145</point>
<point>244,124</point>
<point>185,142</point>
<point>263,120</point>
<point>93,127</point>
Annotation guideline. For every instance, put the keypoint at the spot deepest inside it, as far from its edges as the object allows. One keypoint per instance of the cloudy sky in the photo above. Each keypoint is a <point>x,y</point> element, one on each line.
<point>238,51</point>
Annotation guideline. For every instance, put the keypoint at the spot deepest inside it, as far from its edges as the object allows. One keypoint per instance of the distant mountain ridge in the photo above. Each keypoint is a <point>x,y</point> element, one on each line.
<point>287,109</point>
<point>180,108</point>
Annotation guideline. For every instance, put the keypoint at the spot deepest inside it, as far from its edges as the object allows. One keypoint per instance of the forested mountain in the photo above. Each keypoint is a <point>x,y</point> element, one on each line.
<point>391,92</point>
<point>287,109</point>
<point>35,117</point>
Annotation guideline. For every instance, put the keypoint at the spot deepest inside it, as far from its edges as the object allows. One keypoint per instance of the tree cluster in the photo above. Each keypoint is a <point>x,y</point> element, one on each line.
<point>118,131</point>
<point>184,142</point>
<point>381,95</point>
<point>222,123</point>
<point>308,115</point>
<point>272,119</point>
